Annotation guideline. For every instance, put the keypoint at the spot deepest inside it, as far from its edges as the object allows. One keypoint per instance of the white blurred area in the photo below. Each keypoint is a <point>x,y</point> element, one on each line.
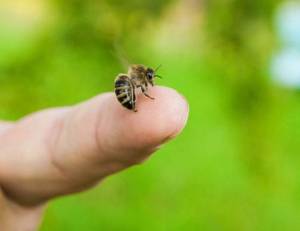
<point>285,65</point>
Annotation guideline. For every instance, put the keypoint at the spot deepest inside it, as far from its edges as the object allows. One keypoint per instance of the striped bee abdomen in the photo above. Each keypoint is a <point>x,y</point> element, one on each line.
<point>124,90</point>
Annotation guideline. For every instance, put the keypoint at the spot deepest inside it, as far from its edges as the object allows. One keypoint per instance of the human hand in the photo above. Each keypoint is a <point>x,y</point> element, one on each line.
<point>65,150</point>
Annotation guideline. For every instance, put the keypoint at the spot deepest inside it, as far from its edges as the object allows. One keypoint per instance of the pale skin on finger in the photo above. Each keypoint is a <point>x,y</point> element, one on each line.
<point>62,151</point>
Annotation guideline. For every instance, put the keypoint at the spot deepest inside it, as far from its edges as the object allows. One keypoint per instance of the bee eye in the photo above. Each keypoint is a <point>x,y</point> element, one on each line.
<point>150,75</point>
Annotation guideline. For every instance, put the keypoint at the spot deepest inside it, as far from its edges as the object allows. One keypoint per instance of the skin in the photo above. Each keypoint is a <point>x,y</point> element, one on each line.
<point>62,151</point>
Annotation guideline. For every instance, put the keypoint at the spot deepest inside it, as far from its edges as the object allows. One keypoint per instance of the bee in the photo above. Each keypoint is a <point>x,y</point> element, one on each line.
<point>138,76</point>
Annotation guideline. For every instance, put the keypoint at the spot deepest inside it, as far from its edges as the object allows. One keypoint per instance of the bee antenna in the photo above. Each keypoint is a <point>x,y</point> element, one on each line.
<point>156,69</point>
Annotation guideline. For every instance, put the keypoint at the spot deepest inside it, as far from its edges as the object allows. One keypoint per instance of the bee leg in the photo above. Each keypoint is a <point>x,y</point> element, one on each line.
<point>144,89</point>
<point>150,97</point>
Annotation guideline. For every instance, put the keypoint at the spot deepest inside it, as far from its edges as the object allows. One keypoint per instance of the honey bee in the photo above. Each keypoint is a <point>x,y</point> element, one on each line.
<point>138,76</point>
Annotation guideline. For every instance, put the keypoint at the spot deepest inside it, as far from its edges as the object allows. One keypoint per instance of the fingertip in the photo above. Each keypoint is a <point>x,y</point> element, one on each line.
<point>156,120</point>
<point>180,108</point>
<point>168,113</point>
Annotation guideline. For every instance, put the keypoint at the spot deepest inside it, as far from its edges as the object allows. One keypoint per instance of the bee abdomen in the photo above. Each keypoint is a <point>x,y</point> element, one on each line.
<point>124,91</point>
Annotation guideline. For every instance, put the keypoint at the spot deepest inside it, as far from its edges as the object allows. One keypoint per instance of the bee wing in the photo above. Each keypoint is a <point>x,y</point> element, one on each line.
<point>121,56</point>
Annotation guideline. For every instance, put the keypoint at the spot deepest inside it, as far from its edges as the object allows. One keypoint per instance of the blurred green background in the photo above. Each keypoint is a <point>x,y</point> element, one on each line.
<point>236,166</point>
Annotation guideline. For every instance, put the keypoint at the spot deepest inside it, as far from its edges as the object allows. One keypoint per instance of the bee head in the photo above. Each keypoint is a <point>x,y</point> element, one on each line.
<point>151,74</point>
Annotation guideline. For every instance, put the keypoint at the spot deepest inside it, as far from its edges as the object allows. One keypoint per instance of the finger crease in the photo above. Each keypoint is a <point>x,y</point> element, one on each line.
<point>57,129</point>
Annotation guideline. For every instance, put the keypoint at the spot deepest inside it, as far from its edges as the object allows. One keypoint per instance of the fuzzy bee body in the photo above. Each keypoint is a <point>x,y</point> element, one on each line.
<point>124,90</point>
<point>138,76</point>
